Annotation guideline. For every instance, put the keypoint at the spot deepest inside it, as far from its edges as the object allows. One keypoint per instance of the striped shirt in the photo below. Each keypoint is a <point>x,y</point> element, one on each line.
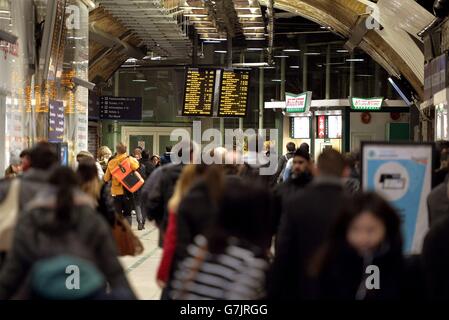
<point>235,274</point>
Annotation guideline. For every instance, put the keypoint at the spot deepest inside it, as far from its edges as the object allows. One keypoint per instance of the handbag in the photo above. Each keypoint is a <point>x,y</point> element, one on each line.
<point>9,211</point>
<point>127,242</point>
<point>130,179</point>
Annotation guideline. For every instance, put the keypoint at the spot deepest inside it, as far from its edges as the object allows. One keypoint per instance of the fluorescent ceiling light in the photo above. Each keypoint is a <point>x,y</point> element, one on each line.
<point>312,54</point>
<point>253,28</point>
<point>342,51</point>
<point>291,50</point>
<point>250,15</point>
<point>195,15</point>
<point>355,60</point>
<point>4,11</point>
<point>255,39</point>
<point>211,41</point>
<point>276,80</point>
<point>281,57</point>
<point>251,64</point>
<point>294,67</point>
<point>131,60</point>
<point>269,67</point>
<point>255,49</point>
<point>323,27</point>
<point>221,51</point>
<point>364,75</point>
<point>139,80</point>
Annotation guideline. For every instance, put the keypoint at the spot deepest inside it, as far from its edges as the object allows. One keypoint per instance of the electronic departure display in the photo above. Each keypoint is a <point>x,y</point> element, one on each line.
<point>199,92</point>
<point>234,88</point>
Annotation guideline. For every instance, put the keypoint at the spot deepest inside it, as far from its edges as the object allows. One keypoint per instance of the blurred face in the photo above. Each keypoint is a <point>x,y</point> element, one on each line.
<point>366,233</point>
<point>300,165</point>
<point>156,161</point>
<point>137,154</point>
<point>26,163</point>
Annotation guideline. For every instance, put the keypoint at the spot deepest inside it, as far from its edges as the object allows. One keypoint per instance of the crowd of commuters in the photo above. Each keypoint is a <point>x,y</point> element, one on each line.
<point>306,232</point>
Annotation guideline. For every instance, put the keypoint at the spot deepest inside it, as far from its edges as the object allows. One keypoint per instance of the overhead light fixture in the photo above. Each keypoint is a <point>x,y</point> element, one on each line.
<point>251,15</point>
<point>255,39</point>
<point>221,51</point>
<point>131,60</point>
<point>281,57</point>
<point>276,80</point>
<point>251,64</point>
<point>269,67</point>
<point>211,41</point>
<point>294,67</point>
<point>355,60</point>
<point>253,28</point>
<point>4,11</point>
<point>364,75</point>
<point>255,49</point>
<point>312,53</point>
<point>342,51</point>
<point>291,50</point>
<point>323,27</point>
<point>195,15</point>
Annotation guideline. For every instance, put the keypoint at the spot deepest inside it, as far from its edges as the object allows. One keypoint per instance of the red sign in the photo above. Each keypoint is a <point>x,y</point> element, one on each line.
<point>321,127</point>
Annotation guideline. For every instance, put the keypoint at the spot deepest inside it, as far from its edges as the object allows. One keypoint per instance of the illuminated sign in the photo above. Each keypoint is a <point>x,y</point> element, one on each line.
<point>234,88</point>
<point>366,103</point>
<point>322,126</point>
<point>199,92</point>
<point>298,102</point>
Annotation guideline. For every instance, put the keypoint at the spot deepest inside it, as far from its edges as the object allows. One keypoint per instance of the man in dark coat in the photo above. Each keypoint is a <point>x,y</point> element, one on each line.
<point>305,221</point>
<point>301,176</point>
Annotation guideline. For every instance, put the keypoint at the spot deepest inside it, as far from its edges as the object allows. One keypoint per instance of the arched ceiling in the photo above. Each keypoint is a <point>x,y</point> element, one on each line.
<point>392,47</point>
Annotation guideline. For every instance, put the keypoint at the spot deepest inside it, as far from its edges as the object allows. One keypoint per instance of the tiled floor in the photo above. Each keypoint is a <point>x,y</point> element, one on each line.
<point>141,270</point>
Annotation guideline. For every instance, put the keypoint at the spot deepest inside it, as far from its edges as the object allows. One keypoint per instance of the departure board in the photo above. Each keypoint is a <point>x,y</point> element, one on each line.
<point>199,92</point>
<point>233,93</point>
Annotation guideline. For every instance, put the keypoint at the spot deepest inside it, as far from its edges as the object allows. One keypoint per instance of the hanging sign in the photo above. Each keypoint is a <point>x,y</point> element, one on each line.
<point>366,103</point>
<point>298,103</point>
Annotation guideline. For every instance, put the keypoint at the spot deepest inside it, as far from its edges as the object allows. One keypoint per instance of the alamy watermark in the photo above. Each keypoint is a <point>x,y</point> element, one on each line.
<point>73,20</point>
<point>72,281</point>
<point>256,148</point>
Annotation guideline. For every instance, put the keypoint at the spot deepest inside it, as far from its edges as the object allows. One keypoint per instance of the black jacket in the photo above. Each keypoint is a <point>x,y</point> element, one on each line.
<point>435,256</point>
<point>438,203</point>
<point>305,223</point>
<point>156,192</point>
<point>344,275</point>
<point>105,204</point>
<point>37,236</point>
<point>287,190</point>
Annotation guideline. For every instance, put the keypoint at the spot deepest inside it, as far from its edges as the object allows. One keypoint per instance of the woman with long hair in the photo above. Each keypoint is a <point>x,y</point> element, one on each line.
<point>190,175</point>
<point>61,221</point>
<point>96,189</point>
<point>365,238</point>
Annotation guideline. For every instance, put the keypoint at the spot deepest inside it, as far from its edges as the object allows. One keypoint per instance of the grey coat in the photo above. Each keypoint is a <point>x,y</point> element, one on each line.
<point>85,234</point>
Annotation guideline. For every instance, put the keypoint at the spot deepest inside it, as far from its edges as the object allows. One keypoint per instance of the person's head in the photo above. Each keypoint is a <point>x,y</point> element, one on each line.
<point>84,155</point>
<point>291,147</point>
<point>244,212</point>
<point>65,181</point>
<point>304,146</point>
<point>444,158</point>
<point>301,162</point>
<point>168,148</point>
<point>25,159</point>
<point>87,173</point>
<point>43,156</point>
<point>331,163</point>
<point>145,155</point>
<point>120,148</point>
<point>367,224</point>
<point>137,153</point>
<point>155,160</point>
<point>191,174</point>
<point>15,162</point>
<point>104,153</point>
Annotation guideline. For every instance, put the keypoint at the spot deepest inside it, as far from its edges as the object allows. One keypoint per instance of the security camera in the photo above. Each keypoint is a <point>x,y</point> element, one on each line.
<point>83,83</point>
<point>8,37</point>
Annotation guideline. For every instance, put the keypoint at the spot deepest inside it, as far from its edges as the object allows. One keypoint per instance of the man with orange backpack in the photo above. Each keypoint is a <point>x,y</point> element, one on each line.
<point>123,198</point>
